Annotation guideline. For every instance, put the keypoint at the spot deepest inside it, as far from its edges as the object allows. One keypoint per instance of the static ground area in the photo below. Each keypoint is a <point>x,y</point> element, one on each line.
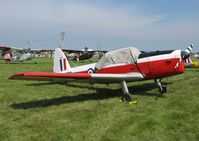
<point>32,110</point>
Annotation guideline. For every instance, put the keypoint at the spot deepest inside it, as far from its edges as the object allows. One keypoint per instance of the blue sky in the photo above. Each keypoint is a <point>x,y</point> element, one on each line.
<point>147,25</point>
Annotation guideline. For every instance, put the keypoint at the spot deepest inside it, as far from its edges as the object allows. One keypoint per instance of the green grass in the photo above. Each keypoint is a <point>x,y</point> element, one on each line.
<point>31,110</point>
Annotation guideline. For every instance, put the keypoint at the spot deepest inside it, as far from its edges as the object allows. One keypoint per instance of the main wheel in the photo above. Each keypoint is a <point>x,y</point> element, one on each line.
<point>163,89</point>
<point>126,97</point>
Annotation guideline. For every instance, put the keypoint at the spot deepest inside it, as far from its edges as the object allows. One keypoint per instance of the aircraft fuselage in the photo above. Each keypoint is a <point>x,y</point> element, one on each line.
<point>151,65</point>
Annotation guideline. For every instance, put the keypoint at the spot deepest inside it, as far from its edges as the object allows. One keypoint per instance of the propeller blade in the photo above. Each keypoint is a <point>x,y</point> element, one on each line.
<point>186,53</point>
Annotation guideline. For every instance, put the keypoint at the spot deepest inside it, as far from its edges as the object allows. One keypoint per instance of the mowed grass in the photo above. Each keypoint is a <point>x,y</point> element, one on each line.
<point>33,110</point>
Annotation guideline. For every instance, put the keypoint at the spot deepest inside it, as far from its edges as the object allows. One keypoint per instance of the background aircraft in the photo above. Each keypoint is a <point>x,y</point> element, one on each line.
<point>118,66</point>
<point>12,54</point>
<point>191,64</point>
<point>83,54</point>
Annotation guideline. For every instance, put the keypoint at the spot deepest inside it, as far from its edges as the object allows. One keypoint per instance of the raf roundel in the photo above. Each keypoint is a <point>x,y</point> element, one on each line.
<point>90,70</point>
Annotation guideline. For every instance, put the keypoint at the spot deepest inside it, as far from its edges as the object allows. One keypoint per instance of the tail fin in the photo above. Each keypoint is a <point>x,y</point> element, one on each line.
<point>60,62</point>
<point>7,57</point>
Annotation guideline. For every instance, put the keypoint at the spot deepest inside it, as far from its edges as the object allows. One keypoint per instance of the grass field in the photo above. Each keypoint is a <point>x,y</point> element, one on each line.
<point>50,112</point>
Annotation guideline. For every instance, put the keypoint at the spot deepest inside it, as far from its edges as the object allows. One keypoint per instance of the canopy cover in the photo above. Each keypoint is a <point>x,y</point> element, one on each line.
<point>128,55</point>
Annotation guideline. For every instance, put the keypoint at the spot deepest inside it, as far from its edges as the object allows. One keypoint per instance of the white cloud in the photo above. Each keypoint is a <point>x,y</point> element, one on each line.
<point>119,26</point>
<point>78,17</point>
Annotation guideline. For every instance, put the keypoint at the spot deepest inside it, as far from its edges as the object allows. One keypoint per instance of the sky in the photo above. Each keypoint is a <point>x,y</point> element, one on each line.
<point>103,24</point>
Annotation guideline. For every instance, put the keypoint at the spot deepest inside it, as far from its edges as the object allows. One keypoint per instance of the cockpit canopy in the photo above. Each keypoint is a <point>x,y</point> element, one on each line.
<point>128,55</point>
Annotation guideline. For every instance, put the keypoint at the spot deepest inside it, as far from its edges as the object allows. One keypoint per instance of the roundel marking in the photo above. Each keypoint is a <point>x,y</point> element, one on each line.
<point>90,70</point>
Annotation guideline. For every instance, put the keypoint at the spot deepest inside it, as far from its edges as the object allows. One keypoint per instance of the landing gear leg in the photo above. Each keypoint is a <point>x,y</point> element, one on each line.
<point>125,95</point>
<point>162,88</point>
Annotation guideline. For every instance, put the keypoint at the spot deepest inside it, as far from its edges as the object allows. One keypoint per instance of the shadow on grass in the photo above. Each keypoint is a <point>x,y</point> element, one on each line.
<point>46,83</point>
<point>193,69</point>
<point>59,83</point>
<point>101,93</point>
<point>19,62</point>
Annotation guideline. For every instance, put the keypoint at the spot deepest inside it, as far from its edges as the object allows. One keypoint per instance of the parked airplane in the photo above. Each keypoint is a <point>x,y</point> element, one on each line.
<point>191,64</point>
<point>80,56</point>
<point>16,54</point>
<point>86,53</point>
<point>118,66</point>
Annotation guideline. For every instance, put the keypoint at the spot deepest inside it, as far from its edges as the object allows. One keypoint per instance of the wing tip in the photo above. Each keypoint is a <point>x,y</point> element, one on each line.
<point>16,76</point>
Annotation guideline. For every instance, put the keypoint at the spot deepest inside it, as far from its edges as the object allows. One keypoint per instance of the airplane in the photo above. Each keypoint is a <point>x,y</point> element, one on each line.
<point>83,54</point>
<point>117,66</point>
<point>80,56</point>
<point>12,54</point>
<point>191,64</point>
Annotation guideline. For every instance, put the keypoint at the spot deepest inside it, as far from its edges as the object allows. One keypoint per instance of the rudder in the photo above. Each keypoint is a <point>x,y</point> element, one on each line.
<point>60,62</point>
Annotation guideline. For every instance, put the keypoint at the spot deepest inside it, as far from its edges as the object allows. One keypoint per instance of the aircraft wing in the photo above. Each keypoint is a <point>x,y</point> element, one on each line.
<point>4,47</point>
<point>94,77</point>
<point>7,48</point>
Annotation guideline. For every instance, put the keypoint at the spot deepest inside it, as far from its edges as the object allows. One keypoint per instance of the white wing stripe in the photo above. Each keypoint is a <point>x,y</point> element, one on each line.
<point>128,76</point>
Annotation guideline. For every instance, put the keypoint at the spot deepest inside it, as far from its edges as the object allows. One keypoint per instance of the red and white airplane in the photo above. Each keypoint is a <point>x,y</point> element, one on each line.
<point>13,54</point>
<point>118,66</point>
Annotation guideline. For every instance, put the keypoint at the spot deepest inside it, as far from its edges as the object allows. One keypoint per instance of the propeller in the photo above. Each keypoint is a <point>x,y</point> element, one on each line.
<point>186,53</point>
